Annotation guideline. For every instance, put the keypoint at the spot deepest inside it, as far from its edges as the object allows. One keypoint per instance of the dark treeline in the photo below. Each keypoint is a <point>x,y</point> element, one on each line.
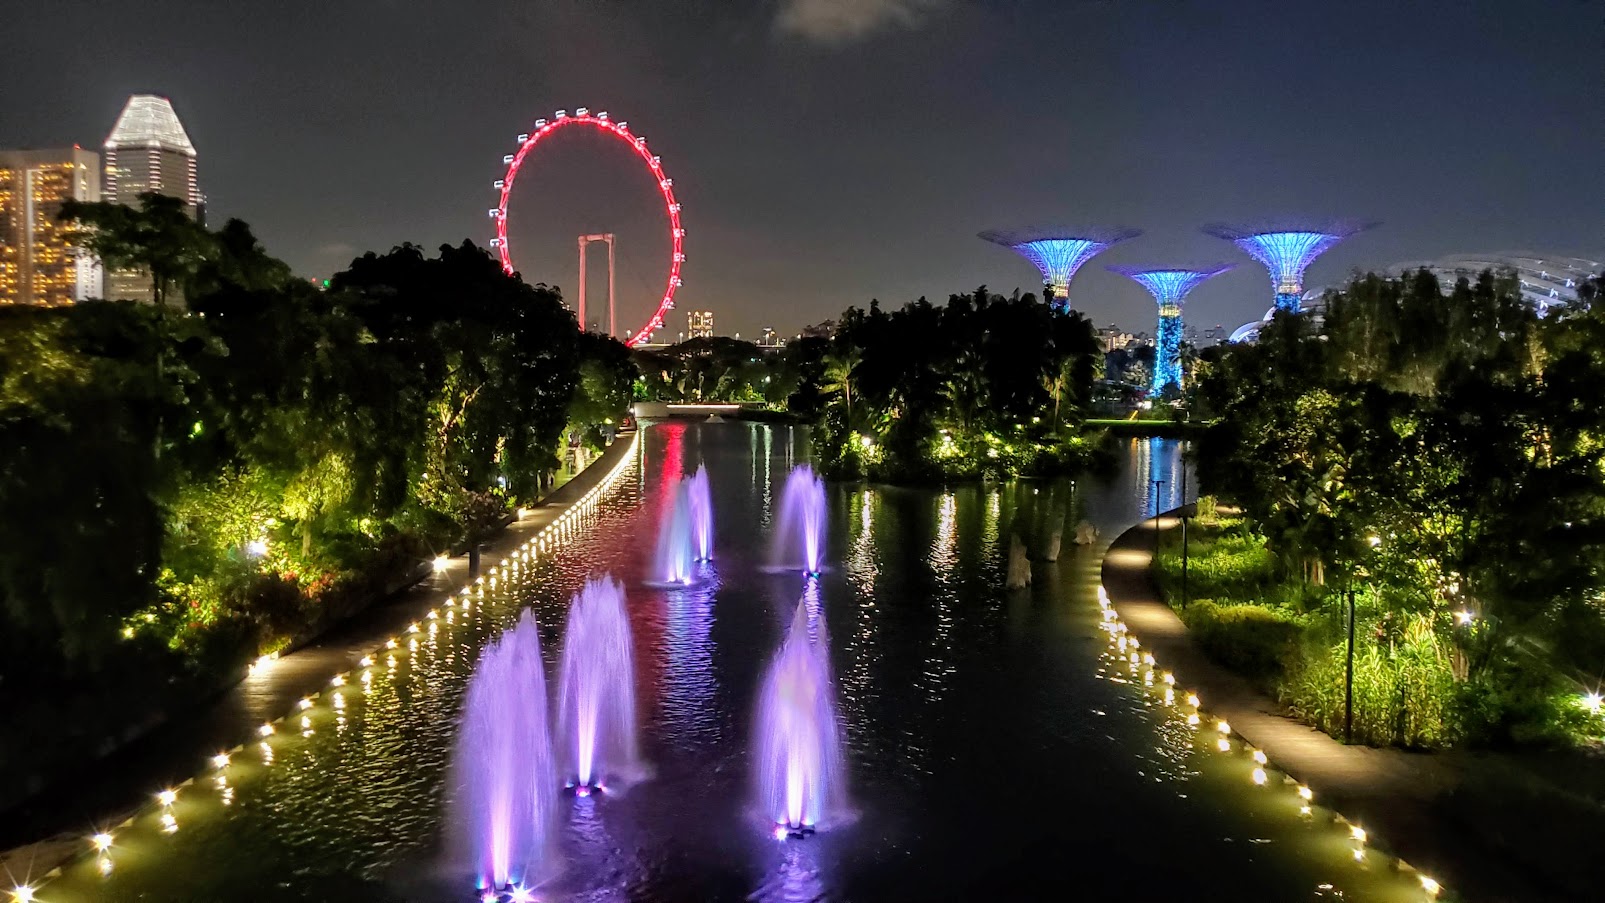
<point>983,385</point>
<point>185,487</point>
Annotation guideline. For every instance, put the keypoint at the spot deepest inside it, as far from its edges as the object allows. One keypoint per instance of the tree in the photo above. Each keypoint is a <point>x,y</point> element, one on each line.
<point>838,375</point>
<point>158,237</point>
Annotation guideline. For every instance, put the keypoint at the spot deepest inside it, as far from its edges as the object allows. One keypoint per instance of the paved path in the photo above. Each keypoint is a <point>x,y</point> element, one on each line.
<point>116,787</point>
<point>1485,841</point>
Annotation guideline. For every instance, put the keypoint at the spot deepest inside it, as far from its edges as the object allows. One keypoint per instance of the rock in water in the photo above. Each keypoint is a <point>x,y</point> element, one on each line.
<point>1052,552</point>
<point>1086,534</point>
<point>1019,565</point>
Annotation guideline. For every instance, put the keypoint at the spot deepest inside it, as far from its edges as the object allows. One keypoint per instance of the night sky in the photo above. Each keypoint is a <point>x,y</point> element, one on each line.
<point>832,151</point>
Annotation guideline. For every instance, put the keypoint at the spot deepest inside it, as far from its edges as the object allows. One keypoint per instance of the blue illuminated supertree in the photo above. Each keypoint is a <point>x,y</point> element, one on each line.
<point>1169,287</point>
<point>1058,253</point>
<point>1287,250</point>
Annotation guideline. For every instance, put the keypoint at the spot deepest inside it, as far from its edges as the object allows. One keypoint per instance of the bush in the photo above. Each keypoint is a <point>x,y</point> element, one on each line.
<point>1404,693</point>
<point>1252,640</point>
<point>1226,563</point>
<point>1513,706</point>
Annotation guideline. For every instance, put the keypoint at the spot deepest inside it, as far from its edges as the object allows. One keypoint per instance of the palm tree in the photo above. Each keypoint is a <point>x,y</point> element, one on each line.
<point>840,369</point>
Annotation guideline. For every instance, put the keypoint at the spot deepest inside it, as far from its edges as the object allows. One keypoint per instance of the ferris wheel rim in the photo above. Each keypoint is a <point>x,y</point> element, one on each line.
<point>619,129</point>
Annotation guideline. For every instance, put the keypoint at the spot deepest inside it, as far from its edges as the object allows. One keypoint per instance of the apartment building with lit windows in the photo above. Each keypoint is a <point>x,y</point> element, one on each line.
<point>38,264</point>
<point>699,324</point>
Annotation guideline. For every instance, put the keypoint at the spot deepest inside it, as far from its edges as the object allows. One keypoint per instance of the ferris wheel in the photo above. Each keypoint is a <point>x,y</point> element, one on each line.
<point>583,118</point>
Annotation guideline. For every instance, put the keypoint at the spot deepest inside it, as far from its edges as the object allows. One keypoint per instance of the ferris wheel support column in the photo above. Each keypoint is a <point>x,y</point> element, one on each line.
<point>585,243</point>
<point>584,240</point>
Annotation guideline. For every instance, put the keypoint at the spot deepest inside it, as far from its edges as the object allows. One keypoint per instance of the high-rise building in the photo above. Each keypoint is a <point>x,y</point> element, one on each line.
<point>147,150</point>
<point>38,265</point>
<point>699,324</point>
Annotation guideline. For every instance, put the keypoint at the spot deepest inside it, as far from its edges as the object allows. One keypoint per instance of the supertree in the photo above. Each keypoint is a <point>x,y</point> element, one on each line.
<point>1058,253</point>
<point>1286,250</point>
<point>1169,287</point>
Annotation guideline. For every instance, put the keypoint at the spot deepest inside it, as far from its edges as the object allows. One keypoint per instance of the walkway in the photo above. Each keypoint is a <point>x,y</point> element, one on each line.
<point>117,786</point>
<point>1483,834</point>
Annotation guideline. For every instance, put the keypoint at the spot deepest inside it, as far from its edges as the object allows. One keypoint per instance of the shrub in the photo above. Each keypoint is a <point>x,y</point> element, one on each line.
<point>1510,705</point>
<point>1226,563</point>
<point>1252,640</point>
<point>1404,693</point>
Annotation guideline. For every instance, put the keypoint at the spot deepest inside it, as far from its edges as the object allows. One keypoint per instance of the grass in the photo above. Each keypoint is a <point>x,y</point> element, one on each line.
<point>1289,638</point>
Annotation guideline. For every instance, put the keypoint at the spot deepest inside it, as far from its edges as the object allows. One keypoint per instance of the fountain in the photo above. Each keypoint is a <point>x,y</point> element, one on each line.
<point>701,514</point>
<point>800,534</point>
<point>596,689</point>
<point>676,553</point>
<point>800,775</point>
<point>502,767</point>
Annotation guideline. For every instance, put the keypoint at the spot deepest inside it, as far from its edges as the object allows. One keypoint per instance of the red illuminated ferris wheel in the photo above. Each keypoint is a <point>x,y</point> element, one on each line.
<point>621,130</point>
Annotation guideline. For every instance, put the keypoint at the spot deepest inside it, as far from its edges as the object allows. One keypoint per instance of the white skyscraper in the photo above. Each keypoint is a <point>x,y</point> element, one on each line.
<point>147,150</point>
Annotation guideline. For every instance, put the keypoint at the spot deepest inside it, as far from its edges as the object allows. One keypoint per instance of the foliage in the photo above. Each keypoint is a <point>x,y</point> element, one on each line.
<point>1440,450</point>
<point>1403,696</point>
<point>982,386</point>
<point>1254,640</point>
<point>716,369</point>
<point>180,493</point>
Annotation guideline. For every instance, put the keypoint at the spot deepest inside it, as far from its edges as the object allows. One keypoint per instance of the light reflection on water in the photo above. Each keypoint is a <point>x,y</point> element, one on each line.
<point>999,748</point>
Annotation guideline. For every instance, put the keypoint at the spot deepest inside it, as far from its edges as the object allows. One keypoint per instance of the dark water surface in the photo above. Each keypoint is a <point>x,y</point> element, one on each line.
<point>999,748</point>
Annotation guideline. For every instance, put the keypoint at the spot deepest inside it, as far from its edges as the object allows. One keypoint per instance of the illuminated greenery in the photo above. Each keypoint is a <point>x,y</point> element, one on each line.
<point>1440,452</point>
<point>183,491</point>
<point>982,386</point>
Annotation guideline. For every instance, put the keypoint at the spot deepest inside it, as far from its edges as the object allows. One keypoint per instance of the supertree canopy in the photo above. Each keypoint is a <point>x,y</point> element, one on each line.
<point>1058,253</point>
<point>1287,250</point>
<point>1169,287</point>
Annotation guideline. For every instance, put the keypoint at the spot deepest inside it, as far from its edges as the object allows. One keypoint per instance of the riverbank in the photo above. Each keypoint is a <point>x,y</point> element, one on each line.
<point>1485,827</point>
<point>111,789</point>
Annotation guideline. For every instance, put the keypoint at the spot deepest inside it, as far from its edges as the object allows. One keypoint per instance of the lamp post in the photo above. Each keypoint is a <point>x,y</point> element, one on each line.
<point>1348,677</point>
<point>1183,534</point>
<point>1158,485</point>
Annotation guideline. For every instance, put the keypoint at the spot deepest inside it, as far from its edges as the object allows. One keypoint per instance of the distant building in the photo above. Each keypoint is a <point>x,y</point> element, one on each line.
<point>699,324</point>
<point>37,263</point>
<point>1313,303</point>
<point>1113,338</point>
<point>147,150</point>
<point>825,329</point>
<point>1547,280</point>
<point>769,338</point>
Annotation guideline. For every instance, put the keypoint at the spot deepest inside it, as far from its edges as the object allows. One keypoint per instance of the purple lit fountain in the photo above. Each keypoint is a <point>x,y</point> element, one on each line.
<point>596,690</point>
<point>676,551</point>
<point>701,514</point>
<point>502,768</point>
<point>800,528</point>
<point>800,775</point>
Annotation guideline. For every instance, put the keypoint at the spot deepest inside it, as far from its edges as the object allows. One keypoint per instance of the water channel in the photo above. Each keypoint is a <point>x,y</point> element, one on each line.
<point>998,747</point>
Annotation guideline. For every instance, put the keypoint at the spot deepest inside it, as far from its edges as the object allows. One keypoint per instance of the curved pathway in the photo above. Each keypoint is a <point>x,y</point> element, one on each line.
<point>1517,843</point>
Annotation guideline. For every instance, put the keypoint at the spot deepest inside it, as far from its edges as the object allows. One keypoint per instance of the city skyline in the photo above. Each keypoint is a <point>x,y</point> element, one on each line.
<point>799,205</point>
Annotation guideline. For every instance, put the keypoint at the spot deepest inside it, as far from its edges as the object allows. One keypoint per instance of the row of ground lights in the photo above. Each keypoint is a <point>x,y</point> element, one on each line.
<point>550,538</point>
<point>1140,663</point>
